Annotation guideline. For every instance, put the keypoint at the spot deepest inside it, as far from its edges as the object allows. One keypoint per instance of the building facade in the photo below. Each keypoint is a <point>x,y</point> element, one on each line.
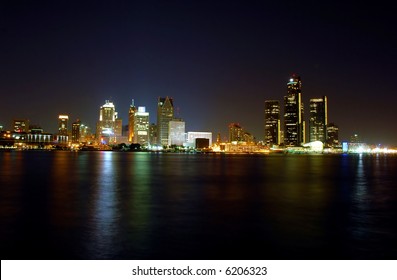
<point>332,135</point>
<point>131,121</point>
<point>177,135</point>
<point>236,132</point>
<point>193,135</point>
<point>318,119</point>
<point>118,128</point>
<point>107,122</point>
<point>294,124</point>
<point>153,134</point>
<point>141,130</point>
<point>21,125</point>
<point>272,122</point>
<point>76,128</point>
<point>165,113</point>
<point>63,124</point>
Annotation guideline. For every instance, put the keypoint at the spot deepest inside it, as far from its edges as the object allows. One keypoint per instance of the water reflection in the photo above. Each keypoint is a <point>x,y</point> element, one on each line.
<point>361,183</point>
<point>106,212</point>
<point>11,193</point>
<point>359,215</point>
<point>107,205</point>
<point>62,195</point>
<point>139,221</point>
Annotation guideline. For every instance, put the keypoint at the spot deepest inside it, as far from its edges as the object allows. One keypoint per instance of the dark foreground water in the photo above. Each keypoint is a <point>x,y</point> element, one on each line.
<point>109,205</point>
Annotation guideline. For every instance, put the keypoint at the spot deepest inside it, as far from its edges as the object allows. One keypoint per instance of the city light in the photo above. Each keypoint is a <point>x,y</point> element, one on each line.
<point>170,131</point>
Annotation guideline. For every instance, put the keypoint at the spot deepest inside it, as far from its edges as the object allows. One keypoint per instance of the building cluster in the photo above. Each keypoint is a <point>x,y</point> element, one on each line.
<point>293,133</point>
<point>168,132</point>
<point>287,134</point>
<point>27,136</point>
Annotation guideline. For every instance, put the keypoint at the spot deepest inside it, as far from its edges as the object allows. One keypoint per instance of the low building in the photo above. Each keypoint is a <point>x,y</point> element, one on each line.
<point>193,135</point>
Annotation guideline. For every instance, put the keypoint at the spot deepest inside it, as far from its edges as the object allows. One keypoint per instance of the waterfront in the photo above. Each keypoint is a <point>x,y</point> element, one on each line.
<point>114,205</point>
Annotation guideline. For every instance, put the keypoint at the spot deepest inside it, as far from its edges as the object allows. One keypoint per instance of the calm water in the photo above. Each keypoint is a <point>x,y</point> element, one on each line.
<point>109,205</point>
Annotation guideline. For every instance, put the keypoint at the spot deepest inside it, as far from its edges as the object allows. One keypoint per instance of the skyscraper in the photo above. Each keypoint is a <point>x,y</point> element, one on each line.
<point>141,131</point>
<point>294,125</point>
<point>21,125</point>
<point>131,121</point>
<point>235,132</point>
<point>85,134</point>
<point>153,134</point>
<point>272,122</point>
<point>332,135</point>
<point>106,123</point>
<point>76,131</point>
<point>177,135</point>
<point>63,124</point>
<point>318,119</point>
<point>118,128</point>
<point>165,113</point>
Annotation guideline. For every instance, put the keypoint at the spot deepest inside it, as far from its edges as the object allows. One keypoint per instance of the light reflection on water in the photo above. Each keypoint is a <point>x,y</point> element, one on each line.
<point>106,212</point>
<point>359,214</point>
<point>107,205</point>
<point>361,183</point>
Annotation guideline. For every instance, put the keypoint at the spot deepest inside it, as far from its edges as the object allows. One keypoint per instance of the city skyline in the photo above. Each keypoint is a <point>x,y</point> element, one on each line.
<point>274,122</point>
<point>218,62</point>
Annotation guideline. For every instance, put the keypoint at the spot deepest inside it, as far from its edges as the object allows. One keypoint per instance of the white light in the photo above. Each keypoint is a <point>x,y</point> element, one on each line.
<point>360,150</point>
<point>107,131</point>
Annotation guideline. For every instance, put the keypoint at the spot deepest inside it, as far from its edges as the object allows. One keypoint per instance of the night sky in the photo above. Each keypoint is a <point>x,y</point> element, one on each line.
<point>219,60</point>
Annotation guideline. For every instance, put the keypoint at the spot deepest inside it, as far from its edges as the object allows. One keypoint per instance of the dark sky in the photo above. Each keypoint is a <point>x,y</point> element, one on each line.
<point>219,60</point>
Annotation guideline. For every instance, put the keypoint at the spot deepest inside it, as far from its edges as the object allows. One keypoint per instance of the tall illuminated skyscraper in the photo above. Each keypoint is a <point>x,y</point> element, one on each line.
<point>141,131</point>
<point>294,125</point>
<point>272,122</point>
<point>106,123</point>
<point>131,121</point>
<point>318,119</point>
<point>63,124</point>
<point>165,113</point>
